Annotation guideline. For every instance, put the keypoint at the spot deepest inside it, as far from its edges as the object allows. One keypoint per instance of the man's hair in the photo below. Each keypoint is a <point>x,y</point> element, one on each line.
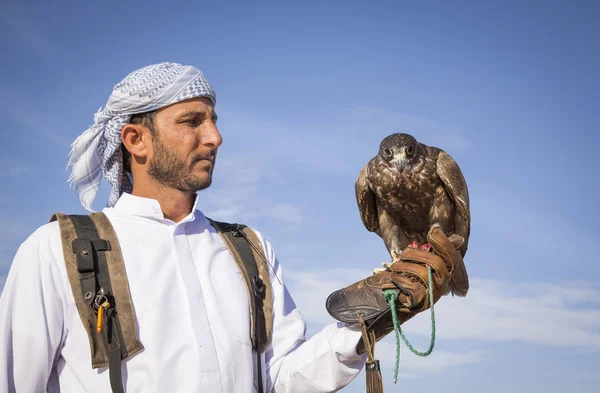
<point>145,119</point>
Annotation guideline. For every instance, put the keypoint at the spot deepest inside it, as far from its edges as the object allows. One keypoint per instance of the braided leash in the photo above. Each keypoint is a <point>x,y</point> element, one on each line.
<point>390,296</point>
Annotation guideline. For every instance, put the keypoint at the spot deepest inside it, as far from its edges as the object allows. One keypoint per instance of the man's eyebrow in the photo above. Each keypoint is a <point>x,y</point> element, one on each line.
<point>194,113</point>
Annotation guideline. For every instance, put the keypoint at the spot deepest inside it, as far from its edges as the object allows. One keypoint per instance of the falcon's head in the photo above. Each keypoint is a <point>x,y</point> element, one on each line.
<point>400,151</point>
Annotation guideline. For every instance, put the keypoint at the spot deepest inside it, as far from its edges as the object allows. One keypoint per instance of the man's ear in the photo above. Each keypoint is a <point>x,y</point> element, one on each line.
<point>137,140</point>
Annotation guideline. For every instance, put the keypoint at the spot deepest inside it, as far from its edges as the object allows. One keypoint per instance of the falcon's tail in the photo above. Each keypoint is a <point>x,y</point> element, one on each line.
<point>459,282</point>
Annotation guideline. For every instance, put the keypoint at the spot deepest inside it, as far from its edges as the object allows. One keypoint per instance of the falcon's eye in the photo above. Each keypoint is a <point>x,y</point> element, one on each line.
<point>410,150</point>
<point>387,153</point>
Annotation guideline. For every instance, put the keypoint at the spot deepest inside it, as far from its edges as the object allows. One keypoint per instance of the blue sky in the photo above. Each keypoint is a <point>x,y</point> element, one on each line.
<point>306,91</point>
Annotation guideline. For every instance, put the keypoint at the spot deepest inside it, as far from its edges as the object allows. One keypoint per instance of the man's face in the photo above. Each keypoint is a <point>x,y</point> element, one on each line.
<point>185,145</point>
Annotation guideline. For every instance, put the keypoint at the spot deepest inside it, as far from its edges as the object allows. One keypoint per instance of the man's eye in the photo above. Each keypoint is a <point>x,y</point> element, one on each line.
<point>192,122</point>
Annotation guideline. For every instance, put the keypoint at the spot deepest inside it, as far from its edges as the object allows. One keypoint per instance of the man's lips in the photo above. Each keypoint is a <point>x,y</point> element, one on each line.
<point>205,159</point>
<point>210,157</point>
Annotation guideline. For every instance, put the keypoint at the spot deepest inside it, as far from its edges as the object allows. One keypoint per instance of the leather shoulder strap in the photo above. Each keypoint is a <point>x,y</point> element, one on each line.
<point>93,260</point>
<point>248,254</point>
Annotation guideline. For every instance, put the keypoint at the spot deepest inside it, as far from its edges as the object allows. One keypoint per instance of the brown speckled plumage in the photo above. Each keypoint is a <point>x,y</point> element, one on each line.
<point>406,189</point>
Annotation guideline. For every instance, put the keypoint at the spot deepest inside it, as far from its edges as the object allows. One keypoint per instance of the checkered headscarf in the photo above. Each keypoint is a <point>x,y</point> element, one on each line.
<point>98,150</point>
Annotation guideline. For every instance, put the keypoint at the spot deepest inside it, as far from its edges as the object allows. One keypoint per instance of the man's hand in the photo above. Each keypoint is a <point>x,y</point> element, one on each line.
<point>408,277</point>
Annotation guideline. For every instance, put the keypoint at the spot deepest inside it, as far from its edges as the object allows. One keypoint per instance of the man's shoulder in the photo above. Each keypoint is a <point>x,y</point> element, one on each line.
<point>40,252</point>
<point>266,246</point>
<point>48,233</point>
<point>44,237</point>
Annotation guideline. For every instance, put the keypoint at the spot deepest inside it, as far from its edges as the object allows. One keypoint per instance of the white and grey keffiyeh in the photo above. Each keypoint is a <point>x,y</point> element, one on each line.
<point>97,151</point>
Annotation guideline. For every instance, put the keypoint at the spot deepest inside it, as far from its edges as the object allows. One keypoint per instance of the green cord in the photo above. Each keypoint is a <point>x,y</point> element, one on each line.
<point>390,296</point>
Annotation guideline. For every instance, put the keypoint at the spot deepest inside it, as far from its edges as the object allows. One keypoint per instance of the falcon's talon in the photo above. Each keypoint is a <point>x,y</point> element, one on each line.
<point>414,244</point>
<point>387,266</point>
<point>396,257</point>
<point>426,247</point>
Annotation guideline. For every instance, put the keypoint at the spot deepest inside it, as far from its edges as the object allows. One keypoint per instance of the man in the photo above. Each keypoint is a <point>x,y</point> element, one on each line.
<point>156,142</point>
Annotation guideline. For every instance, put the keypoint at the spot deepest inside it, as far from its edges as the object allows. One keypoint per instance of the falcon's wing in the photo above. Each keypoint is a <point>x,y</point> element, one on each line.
<point>456,186</point>
<point>367,204</point>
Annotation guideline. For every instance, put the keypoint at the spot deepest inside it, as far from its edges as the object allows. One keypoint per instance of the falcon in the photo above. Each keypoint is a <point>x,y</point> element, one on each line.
<point>406,190</point>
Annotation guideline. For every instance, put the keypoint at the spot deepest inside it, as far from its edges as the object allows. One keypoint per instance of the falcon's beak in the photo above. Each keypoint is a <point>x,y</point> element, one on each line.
<point>400,161</point>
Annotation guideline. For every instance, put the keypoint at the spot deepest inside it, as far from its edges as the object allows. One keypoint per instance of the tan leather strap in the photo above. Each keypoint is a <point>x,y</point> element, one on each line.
<point>245,248</point>
<point>263,270</point>
<point>228,233</point>
<point>120,289</point>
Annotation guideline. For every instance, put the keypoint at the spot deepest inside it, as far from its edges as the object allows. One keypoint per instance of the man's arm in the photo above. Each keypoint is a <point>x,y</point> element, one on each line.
<point>31,314</point>
<point>326,362</point>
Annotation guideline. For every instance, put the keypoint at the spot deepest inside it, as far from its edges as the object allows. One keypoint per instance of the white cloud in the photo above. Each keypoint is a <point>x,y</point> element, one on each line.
<point>412,366</point>
<point>236,193</point>
<point>286,213</point>
<point>242,187</point>
<point>503,311</point>
<point>563,314</point>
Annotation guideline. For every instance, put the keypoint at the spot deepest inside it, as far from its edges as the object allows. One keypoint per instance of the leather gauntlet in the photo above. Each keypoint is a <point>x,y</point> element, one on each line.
<point>363,302</point>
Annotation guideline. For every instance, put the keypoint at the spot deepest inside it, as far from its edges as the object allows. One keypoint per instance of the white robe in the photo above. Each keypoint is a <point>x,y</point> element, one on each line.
<point>192,312</point>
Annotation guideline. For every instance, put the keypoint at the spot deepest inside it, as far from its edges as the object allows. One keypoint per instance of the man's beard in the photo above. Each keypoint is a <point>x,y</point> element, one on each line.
<point>169,169</point>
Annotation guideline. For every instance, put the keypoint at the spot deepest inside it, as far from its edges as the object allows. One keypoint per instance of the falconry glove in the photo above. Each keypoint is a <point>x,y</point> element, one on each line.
<point>364,302</point>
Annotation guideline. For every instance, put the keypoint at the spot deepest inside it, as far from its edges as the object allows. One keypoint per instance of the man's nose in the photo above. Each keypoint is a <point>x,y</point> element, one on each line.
<point>212,136</point>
